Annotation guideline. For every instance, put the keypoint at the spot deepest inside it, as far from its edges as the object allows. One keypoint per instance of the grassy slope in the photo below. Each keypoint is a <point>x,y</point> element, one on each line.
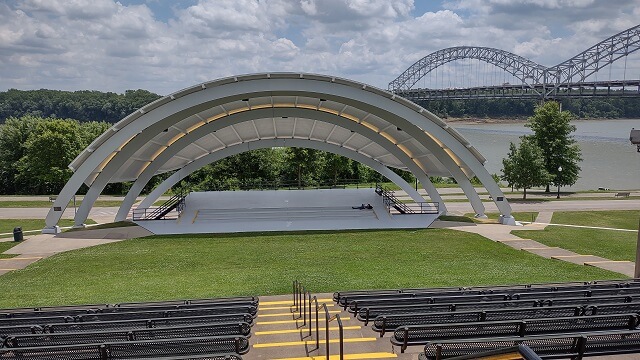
<point>7,225</point>
<point>619,219</point>
<point>613,245</point>
<point>227,265</point>
<point>4,246</point>
<point>519,216</point>
<point>47,204</point>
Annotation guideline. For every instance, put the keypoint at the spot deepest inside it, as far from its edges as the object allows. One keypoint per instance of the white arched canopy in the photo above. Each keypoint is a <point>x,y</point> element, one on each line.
<point>190,126</point>
<point>254,145</point>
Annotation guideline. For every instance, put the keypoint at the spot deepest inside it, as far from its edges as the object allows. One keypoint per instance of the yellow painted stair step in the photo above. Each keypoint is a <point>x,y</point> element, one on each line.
<point>292,331</point>
<point>288,302</point>
<point>380,355</point>
<point>310,342</point>
<point>290,321</point>
<point>285,307</point>
<point>290,314</point>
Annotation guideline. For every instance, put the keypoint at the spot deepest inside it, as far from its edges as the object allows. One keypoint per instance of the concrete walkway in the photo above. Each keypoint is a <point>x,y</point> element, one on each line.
<point>502,234</point>
<point>40,246</point>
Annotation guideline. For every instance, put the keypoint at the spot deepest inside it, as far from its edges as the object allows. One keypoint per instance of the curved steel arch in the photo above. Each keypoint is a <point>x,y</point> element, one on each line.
<point>167,154</point>
<point>596,57</point>
<point>261,144</point>
<point>239,117</point>
<point>516,65</point>
<point>107,152</point>
<point>581,66</point>
<point>236,118</point>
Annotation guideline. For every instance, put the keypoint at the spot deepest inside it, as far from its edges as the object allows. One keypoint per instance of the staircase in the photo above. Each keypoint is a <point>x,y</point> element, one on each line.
<point>392,202</point>
<point>176,202</point>
<point>283,331</point>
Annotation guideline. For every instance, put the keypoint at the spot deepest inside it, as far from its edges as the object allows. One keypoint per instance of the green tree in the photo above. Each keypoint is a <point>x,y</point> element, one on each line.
<point>523,168</point>
<point>251,169</point>
<point>13,138</point>
<point>48,151</point>
<point>552,133</point>
<point>337,166</point>
<point>304,165</point>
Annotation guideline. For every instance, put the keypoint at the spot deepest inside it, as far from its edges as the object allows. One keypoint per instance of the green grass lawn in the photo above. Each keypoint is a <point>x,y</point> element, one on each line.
<point>7,225</point>
<point>4,246</point>
<point>47,204</point>
<point>610,244</point>
<point>619,219</point>
<point>261,264</point>
<point>519,216</point>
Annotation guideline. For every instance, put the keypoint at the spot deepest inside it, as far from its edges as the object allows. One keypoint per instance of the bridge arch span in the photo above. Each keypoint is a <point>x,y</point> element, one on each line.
<point>369,121</point>
<point>518,66</point>
<point>574,70</point>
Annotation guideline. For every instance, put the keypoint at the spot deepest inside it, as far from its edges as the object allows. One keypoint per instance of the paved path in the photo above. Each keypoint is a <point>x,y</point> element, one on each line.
<point>460,208</point>
<point>99,214</point>
<point>502,234</point>
<point>544,217</point>
<point>40,246</point>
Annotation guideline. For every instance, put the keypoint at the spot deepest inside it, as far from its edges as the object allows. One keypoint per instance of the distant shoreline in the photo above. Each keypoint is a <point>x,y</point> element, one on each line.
<point>475,121</point>
<point>493,121</point>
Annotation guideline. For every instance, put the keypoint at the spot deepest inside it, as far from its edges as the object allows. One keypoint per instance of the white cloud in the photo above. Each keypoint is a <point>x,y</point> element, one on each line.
<point>113,45</point>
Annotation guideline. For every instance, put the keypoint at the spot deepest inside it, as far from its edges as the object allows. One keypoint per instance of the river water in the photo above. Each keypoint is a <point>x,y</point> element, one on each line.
<point>609,159</point>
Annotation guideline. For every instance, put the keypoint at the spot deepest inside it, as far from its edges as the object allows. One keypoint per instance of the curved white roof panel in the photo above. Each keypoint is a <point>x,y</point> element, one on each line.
<point>307,126</point>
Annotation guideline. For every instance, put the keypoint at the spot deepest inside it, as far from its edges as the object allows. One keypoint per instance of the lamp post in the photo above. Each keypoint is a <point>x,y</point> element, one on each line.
<point>559,171</point>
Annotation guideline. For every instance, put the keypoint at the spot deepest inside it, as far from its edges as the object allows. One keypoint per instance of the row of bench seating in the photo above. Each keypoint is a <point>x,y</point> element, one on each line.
<point>218,347</point>
<point>128,307</point>
<point>391,322</point>
<point>372,311</point>
<point>345,296</point>
<point>574,346</point>
<point>424,334</point>
<point>354,302</point>
<point>129,315</point>
<point>450,315</point>
<point>230,320</point>
<point>194,330</point>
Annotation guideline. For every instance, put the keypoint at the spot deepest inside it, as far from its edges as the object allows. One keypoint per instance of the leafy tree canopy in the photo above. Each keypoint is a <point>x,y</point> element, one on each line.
<point>523,168</point>
<point>552,133</point>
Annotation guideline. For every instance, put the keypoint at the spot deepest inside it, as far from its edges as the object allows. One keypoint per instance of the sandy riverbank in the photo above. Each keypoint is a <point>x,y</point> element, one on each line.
<point>472,120</point>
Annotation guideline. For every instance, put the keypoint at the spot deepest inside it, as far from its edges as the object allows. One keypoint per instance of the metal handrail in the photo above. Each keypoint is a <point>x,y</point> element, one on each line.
<point>391,201</point>
<point>303,308</point>
<point>176,200</point>
<point>310,321</point>
<point>295,293</point>
<point>298,295</point>
<point>293,185</point>
<point>340,331</point>
<point>300,304</point>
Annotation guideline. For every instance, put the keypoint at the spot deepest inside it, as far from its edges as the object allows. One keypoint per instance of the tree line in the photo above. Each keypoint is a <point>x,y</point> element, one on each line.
<point>583,108</point>
<point>79,105</point>
<point>111,107</point>
<point>35,153</point>
<point>42,131</point>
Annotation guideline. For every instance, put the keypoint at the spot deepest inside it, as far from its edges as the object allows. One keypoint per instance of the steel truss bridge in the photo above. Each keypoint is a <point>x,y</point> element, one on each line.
<point>567,79</point>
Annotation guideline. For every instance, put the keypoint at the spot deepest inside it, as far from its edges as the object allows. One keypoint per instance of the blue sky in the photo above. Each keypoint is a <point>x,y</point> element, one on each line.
<point>163,45</point>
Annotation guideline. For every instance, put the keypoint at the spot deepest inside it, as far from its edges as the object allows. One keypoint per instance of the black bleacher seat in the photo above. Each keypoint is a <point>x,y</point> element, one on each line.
<point>115,335</point>
<point>547,346</point>
<point>423,334</point>
<point>149,349</point>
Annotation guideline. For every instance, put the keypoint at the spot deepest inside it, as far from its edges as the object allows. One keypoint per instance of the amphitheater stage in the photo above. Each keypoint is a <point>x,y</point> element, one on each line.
<point>284,210</point>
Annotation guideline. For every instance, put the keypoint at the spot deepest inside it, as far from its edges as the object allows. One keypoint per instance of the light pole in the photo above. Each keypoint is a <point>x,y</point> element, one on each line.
<point>634,137</point>
<point>559,171</point>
